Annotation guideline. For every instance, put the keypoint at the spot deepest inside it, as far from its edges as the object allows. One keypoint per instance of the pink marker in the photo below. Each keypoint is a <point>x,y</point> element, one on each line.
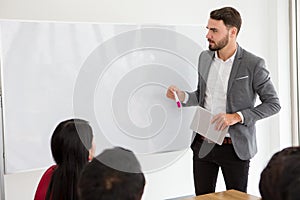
<point>177,99</point>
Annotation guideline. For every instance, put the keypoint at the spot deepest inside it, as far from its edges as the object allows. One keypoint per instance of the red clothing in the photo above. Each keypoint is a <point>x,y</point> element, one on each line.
<point>42,188</point>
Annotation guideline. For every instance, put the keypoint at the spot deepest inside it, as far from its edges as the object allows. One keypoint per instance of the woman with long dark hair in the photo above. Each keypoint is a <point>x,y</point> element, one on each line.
<point>72,147</point>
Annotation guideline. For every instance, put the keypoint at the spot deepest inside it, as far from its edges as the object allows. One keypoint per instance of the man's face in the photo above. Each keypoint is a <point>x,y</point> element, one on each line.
<point>217,35</point>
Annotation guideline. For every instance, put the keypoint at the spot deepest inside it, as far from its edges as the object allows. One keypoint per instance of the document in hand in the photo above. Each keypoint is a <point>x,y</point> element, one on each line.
<point>202,125</point>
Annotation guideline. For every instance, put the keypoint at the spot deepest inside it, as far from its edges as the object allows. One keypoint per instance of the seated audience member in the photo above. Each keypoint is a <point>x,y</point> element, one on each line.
<point>115,174</point>
<point>280,180</point>
<point>72,146</point>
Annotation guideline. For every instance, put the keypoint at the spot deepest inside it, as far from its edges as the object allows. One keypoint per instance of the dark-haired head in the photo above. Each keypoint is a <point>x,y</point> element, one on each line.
<point>72,147</point>
<point>115,174</point>
<point>230,16</point>
<point>280,180</point>
<point>71,141</point>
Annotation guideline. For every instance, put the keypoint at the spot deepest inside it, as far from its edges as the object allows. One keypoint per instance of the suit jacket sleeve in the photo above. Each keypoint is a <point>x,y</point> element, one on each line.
<point>262,86</point>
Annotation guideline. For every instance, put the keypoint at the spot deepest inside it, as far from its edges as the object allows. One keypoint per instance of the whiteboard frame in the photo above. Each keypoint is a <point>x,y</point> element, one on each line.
<point>2,191</point>
<point>2,154</point>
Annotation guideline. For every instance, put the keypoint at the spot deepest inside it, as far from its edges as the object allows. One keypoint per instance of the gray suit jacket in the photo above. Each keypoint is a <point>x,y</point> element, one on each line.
<point>248,78</point>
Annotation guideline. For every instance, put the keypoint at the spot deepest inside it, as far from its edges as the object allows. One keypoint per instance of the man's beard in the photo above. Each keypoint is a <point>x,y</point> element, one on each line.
<point>220,45</point>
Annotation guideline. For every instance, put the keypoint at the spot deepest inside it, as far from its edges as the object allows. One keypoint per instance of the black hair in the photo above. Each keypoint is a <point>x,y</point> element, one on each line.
<point>70,144</point>
<point>230,16</point>
<point>280,179</point>
<point>115,174</point>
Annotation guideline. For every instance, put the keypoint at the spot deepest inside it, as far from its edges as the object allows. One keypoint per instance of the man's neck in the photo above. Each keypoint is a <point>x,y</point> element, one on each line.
<point>227,51</point>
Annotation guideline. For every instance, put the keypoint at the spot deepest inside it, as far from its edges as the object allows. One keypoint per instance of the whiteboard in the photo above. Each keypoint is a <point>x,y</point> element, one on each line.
<point>113,75</point>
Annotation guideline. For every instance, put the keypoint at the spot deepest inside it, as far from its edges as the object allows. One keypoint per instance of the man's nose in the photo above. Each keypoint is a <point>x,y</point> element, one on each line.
<point>208,36</point>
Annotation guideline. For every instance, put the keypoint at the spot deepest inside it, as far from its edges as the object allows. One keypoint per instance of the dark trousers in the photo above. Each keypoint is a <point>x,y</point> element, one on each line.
<point>208,158</point>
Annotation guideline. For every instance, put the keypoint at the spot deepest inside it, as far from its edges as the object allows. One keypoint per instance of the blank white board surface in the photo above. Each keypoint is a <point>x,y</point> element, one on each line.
<point>113,75</point>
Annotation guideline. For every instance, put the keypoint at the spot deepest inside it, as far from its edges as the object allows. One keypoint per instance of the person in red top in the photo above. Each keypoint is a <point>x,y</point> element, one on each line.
<point>72,146</point>
<point>44,183</point>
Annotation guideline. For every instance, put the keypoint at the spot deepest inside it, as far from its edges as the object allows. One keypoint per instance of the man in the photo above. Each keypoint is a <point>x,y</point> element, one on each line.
<point>114,174</point>
<point>230,78</point>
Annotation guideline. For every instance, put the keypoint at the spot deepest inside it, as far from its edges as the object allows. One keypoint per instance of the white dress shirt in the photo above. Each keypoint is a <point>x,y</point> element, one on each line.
<point>217,82</point>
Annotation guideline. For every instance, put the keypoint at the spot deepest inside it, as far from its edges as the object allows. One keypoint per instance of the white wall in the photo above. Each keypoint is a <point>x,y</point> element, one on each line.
<point>264,32</point>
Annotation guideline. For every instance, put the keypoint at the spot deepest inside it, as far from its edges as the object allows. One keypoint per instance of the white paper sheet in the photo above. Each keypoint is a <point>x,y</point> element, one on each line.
<point>202,125</point>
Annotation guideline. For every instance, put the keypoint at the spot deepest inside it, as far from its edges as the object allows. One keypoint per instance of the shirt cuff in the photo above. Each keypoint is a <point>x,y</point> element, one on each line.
<point>241,116</point>
<point>186,97</point>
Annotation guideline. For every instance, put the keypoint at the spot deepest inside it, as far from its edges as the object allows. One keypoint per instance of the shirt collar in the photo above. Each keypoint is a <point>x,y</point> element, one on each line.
<point>231,59</point>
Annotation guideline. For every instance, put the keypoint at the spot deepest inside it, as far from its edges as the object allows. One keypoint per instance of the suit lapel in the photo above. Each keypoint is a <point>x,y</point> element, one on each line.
<point>235,67</point>
<point>205,65</point>
<point>205,61</point>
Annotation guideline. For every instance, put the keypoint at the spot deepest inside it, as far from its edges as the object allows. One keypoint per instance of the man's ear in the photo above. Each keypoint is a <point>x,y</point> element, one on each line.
<point>90,158</point>
<point>233,32</point>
